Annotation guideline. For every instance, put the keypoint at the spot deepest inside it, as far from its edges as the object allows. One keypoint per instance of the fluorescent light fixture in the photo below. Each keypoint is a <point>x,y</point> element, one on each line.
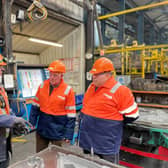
<point>45,42</point>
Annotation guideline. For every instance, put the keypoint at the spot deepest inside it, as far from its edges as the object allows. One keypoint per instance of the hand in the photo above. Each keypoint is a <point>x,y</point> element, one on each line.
<point>20,129</point>
<point>21,121</point>
<point>67,140</point>
<point>20,126</point>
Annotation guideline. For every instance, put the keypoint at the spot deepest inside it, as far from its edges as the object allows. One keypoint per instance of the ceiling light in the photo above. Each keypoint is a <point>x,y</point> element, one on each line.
<point>45,42</point>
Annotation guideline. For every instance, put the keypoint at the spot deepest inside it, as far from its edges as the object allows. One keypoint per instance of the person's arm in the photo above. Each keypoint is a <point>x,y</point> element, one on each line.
<point>7,121</point>
<point>35,109</point>
<point>71,115</point>
<point>129,119</point>
<point>127,105</point>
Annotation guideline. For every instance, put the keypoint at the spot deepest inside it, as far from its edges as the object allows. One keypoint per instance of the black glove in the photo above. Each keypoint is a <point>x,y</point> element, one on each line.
<point>20,129</point>
<point>128,120</point>
<point>20,126</point>
<point>22,121</point>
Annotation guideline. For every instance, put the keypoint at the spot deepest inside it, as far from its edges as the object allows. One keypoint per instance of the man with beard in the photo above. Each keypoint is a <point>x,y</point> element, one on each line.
<point>53,110</point>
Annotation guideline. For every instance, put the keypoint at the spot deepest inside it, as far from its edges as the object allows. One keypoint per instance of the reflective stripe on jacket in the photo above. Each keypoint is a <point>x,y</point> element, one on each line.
<point>6,110</point>
<point>60,102</point>
<point>56,112</point>
<point>110,101</point>
<point>102,115</point>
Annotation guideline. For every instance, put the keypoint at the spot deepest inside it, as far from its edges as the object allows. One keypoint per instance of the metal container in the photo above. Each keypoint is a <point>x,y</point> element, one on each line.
<point>59,157</point>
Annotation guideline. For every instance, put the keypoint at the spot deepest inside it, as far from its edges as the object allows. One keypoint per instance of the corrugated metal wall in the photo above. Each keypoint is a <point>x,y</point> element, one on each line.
<point>72,54</point>
<point>76,11</point>
<point>27,58</point>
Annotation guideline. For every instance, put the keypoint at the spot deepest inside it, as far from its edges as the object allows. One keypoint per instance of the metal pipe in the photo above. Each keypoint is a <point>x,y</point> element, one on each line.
<point>121,23</point>
<point>143,64</point>
<point>133,10</point>
<point>122,63</point>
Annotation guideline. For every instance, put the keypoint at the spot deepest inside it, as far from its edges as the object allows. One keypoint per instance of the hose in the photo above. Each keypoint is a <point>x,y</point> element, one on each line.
<point>37,11</point>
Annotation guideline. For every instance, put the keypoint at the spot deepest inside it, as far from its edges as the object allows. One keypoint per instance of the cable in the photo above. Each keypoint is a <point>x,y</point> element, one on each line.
<point>37,11</point>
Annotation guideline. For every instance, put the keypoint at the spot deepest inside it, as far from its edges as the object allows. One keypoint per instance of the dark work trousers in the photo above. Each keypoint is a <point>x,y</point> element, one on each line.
<point>111,158</point>
<point>42,143</point>
<point>5,163</point>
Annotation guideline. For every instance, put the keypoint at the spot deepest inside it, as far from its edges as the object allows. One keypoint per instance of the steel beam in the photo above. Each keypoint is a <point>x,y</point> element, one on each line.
<point>140,33</point>
<point>121,23</point>
<point>154,5</point>
<point>6,24</point>
<point>98,28</point>
<point>89,27</point>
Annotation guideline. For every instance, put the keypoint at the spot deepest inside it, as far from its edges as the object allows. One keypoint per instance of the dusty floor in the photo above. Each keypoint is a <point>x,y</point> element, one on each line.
<point>24,147</point>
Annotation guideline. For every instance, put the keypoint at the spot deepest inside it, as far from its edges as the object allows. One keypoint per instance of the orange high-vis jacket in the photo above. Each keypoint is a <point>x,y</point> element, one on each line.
<point>60,102</point>
<point>6,110</point>
<point>110,101</point>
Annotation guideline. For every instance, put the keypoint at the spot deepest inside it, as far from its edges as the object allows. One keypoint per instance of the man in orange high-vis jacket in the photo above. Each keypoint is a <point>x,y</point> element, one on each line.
<point>106,105</point>
<point>7,122</point>
<point>54,109</point>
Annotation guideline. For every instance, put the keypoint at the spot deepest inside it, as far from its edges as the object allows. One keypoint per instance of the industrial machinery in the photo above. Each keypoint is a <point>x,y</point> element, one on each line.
<point>147,138</point>
<point>151,129</point>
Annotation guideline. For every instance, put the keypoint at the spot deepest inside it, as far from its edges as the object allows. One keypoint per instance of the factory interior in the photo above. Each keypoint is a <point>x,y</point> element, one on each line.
<point>133,34</point>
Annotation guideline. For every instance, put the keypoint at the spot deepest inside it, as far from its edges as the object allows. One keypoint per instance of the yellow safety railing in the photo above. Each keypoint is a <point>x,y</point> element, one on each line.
<point>150,55</point>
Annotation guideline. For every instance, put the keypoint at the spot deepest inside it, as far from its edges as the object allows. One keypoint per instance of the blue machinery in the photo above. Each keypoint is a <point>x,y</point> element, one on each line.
<point>28,80</point>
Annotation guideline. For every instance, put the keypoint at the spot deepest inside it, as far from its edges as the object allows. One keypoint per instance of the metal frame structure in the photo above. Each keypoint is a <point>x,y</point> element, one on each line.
<point>154,5</point>
<point>156,57</point>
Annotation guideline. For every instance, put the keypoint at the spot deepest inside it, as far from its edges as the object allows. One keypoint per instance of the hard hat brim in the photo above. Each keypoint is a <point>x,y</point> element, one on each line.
<point>93,72</point>
<point>3,64</point>
<point>51,70</point>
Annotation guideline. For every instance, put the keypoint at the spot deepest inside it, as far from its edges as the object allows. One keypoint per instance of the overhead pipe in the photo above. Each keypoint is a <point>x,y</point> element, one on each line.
<point>133,10</point>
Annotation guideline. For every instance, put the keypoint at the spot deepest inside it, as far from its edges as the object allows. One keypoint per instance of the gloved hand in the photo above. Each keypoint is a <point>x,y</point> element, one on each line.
<point>20,126</point>
<point>20,120</point>
<point>20,129</point>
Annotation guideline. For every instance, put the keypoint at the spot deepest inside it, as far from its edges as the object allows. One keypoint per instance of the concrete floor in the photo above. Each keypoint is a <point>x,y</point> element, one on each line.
<point>21,150</point>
